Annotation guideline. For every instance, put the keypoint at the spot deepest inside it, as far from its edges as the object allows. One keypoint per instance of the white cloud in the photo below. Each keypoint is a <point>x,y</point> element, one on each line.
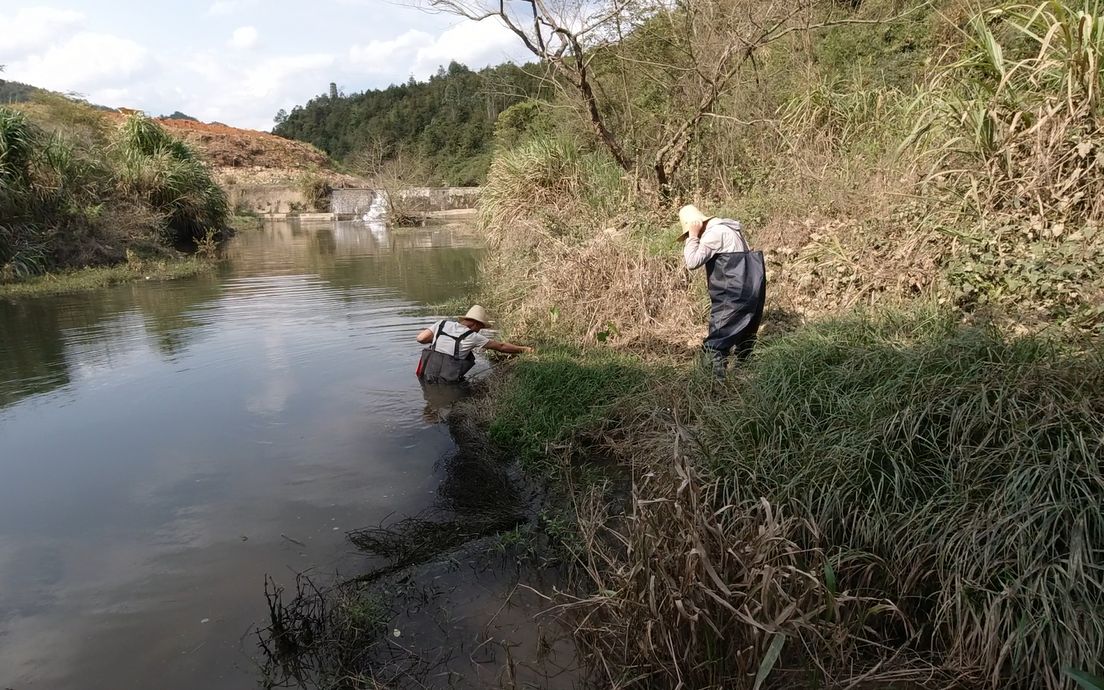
<point>383,57</point>
<point>35,28</point>
<point>267,77</point>
<point>238,78</point>
<point>475,44</point>
<point>221,8</point>
<point>83,61</point>
<point>244,37</point>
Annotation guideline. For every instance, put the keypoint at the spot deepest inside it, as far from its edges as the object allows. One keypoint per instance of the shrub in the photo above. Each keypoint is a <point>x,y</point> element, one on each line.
<point>158,169</point>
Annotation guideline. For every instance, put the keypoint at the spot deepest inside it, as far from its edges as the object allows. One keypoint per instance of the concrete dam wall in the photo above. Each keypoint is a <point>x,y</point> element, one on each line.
<point>412,200</point>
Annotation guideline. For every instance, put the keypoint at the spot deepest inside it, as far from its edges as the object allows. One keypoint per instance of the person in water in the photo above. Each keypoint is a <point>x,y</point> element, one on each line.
<point>737,282</point>
<point>451,344</point>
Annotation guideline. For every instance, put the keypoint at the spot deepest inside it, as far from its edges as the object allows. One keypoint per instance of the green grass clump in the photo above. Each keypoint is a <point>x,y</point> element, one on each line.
<point>75,192</point>
<point>98,277</point>
<point>553,182</point>
<point>558,392</point>
<point>957,472</point>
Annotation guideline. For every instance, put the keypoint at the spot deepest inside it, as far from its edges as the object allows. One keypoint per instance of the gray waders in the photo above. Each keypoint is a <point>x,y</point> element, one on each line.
<point>737,292</point>
<point>438,367</point>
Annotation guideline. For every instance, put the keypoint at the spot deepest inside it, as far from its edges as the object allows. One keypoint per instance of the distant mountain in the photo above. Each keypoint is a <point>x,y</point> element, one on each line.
<point>177,115</point>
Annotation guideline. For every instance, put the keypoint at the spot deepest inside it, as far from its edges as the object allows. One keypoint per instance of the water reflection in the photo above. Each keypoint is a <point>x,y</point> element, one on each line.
<point>439,398</point>
<point>165,445</point>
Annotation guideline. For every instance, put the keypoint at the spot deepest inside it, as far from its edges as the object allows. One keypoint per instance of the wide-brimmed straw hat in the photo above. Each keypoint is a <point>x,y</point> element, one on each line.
<point>478,313</point>
<point>689,214</point>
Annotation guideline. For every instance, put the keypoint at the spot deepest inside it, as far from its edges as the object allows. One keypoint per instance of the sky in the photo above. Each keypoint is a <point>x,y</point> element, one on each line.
<point>234,61</point>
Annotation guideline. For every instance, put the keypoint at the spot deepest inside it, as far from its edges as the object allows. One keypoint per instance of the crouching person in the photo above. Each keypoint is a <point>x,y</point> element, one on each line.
<point>451,345</point>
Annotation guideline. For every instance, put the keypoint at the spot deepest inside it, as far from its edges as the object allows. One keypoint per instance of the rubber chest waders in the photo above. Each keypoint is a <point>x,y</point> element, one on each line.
<point>737,284</point>
<point>438,367</point>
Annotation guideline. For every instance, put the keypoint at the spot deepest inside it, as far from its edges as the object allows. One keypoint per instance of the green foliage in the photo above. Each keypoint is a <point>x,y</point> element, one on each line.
<point>1086,681</point>
<point>68,199</point>
<point>98,277</point>
<point>158,169</point>
<point>522,122</point>
<point>317,191</point>
<point>558,392</point>
<point>177,115</point>
<point>446,122</point>
<point>552,181</point>
<point>1036,273</point>
<point>1013,126</point>
<point>956,471</point>
<point>16,92</point>
<point>891,54</point>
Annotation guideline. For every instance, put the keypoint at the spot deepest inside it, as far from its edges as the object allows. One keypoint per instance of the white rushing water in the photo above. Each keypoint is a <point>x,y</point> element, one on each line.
<point>377,211</point>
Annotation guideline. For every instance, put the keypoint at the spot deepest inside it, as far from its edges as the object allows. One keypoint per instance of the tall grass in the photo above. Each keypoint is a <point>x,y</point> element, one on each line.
<point>161,170</point>
<point>1020,114</point>
<point>551,181</point>
<point>568,263</point>
<point>893,497</point>
<point>66,203</point>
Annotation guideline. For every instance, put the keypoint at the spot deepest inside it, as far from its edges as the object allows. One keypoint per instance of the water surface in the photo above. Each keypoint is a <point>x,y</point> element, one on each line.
<point>163,446</point>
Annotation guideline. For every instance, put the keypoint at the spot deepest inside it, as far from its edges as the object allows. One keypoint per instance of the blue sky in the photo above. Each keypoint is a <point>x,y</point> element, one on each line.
<point>234,61</point>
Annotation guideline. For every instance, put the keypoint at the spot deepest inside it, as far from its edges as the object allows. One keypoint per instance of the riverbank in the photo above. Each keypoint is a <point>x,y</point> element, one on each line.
<point>832,514</point>
<point>98,277</point>
<point>453,595</point>
<point>902,488</point>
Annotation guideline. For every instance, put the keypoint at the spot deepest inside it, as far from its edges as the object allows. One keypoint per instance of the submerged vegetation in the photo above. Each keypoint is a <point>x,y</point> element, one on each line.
<point>77,190</point>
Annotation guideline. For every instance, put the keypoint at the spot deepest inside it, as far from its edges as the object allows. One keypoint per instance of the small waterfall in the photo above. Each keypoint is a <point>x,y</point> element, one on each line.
<point>377,211</point>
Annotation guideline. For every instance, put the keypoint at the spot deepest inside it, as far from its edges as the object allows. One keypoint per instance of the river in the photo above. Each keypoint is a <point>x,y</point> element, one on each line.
<point>164,446</point>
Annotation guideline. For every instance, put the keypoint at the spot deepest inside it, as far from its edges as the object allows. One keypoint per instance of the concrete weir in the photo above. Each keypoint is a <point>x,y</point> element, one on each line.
<point>277,202</point>
<point>414,200</point>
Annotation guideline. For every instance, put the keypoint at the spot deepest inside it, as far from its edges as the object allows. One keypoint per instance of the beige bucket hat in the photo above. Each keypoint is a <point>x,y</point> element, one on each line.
<point>689,214</point>
<point>478,313</point>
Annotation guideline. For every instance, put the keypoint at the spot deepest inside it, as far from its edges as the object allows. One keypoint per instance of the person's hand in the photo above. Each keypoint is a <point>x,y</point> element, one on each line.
<point>696,228</point>
<point>525,349</point>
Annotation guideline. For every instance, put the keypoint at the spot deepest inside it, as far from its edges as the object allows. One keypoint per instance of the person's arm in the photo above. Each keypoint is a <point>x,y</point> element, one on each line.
<point>425,337</point>
<point>699,249</point>
<point>507,348</point>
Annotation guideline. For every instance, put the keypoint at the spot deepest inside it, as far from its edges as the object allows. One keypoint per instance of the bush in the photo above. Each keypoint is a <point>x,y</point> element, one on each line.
<point>551,181</point>
<point>64,203</point>
<point>156,168</point>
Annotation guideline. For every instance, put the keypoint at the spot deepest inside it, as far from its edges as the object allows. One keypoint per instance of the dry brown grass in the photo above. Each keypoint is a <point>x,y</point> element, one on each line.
<point>607,289</point>
<point>689,591</point>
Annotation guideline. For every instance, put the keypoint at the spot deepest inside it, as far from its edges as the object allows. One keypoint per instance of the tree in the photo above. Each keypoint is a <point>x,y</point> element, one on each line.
<point>705,46</point>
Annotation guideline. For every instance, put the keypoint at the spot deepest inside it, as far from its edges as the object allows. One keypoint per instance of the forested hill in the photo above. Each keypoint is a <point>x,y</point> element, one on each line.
<point>439,131</point>
<point>17,92</point>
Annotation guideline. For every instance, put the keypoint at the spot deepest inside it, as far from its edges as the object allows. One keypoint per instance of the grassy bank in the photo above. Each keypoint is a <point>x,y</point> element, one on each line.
<point>904,486</point>
<point>95,278</point>
<point>81,188</point>
<point>885,498</point>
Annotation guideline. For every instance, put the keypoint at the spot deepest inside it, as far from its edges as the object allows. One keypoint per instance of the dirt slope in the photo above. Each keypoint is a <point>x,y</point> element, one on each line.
<point>250,157</point>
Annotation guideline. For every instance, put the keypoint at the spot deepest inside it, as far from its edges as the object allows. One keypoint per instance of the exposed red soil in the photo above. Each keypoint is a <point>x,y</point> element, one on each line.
<point>229,147</point>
